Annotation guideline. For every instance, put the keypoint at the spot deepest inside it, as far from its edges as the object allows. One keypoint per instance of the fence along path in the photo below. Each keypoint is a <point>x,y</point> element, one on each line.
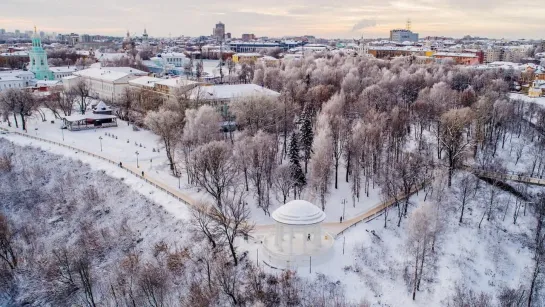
<point>507,176</point>
<point>131,169</point>
<point>336,229</point>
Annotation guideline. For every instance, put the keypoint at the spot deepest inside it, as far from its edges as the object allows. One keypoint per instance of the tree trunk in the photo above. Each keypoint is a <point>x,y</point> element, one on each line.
<point>233,252</point>
<point>336,173</point>
<point>23,121</point>
<point>415,277</point>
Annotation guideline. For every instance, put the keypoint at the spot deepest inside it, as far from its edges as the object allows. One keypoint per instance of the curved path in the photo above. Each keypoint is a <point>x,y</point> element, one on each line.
<point>332,227</point>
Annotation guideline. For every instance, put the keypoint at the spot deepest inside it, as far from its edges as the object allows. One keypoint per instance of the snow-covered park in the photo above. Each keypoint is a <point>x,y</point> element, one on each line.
<point>368,168</point>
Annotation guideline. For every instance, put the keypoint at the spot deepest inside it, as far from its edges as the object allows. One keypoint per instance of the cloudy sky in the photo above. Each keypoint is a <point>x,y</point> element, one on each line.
<point>323,18</point>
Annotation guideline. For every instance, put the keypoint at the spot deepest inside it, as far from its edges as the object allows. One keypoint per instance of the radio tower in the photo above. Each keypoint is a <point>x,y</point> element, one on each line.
<point>409,23</point>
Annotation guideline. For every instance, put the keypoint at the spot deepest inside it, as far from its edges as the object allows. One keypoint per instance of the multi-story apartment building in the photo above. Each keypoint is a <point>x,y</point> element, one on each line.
<point>402,35</point>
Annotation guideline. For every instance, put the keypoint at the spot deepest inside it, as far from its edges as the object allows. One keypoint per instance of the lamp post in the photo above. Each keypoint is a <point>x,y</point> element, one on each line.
<point>100,139</point>
<point>36,129</point>
<point>344,206</point>
<point>62,132</point>
<point>137,165</point>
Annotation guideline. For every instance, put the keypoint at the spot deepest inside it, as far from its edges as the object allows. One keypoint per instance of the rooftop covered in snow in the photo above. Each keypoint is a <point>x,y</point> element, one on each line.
<point>298,212</point>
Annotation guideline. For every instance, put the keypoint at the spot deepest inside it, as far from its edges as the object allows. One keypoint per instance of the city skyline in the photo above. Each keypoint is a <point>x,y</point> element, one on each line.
<point>321,18</point>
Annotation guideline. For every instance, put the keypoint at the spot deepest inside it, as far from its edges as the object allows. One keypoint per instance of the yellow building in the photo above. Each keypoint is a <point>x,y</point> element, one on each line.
<point>246,57</point>
<point>536,89</point>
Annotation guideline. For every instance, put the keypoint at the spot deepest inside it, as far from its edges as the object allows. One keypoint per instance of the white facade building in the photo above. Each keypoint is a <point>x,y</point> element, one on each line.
<point>215,94</point>
<point>10,82</point>
<point>16,79</point>
<point>176,59</point>
<point>63,71</point>
<point>108,83</point>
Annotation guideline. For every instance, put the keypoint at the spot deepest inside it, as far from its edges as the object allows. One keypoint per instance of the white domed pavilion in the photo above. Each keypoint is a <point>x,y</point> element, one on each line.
<point>298,235</point>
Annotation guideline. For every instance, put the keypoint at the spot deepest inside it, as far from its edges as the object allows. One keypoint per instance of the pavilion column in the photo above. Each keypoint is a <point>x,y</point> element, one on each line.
<point>291,240</point>
<point>277,235</point>
<point>317,235</point>
<point>305,238</point>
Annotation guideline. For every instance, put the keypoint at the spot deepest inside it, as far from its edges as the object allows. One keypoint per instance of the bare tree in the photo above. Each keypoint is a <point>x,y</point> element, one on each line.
<point>261,166</point>
<point>213,168</point>
<point>538,246</point>
<point>81,89</point>
<point>419,241</point>
<point>82,267</point>
<point>167,125</point>
<point>452,136</point>
<point>228,278</point>
<point>233,221</point>
<point>7,243</point>
<point>153,284</point>
<point>320,163</point>
<point>464,297</point>
<point>203,222</point>
<point>466,188</point>
<point>20,102</point>
<point>283,182</point>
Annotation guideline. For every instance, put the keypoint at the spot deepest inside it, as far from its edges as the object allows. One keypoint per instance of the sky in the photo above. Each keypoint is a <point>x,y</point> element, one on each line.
<point>276,18</point>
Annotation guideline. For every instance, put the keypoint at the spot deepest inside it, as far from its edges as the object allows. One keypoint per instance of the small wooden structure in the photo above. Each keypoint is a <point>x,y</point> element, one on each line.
<point>88,121</point>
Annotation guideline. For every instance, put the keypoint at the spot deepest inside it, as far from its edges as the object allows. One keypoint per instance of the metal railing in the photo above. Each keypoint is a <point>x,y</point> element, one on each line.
<point>508,175</point>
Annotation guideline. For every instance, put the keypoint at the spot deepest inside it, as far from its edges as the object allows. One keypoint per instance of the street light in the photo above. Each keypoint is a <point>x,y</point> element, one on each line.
<point>344,206</point>
<point>36,129</point>
<point>137,165</point>
<point>62,132</point>
<point>100,139</point>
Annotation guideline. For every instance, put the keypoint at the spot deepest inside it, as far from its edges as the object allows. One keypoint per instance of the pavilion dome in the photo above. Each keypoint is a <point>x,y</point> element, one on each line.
<point>298,212</point>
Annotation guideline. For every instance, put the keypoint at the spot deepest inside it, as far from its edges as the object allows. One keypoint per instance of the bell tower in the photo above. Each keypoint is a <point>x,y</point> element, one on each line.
<point>38,59</point>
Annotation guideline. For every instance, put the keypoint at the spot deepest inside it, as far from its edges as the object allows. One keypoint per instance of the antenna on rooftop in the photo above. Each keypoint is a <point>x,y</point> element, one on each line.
<point>409,24</point>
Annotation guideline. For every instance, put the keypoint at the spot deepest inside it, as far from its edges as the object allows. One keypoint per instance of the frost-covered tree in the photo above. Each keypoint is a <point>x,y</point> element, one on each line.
<point>261,166</point>
<point>202,125</point>
<point>19,102</point>
<point>419,242</point>
<point>167,125</point>
<point>82,90</point>
<point>333,113</point>
<point>321,162</point>
<point>213,169</point>
<point>283,182</point>
<point>453,138</point>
